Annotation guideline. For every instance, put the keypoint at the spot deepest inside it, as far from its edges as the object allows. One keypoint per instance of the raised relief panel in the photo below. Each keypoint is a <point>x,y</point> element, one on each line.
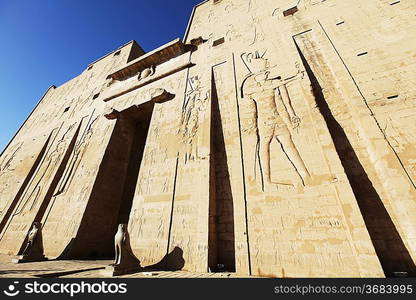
<point>273,114</point>
<point>287,173</point>
<point>190,206</point>
<point>193,113</point>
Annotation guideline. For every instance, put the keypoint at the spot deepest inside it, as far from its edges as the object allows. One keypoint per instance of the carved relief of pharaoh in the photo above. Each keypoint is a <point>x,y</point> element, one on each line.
<point>192,113</point>
<point>274,114</point>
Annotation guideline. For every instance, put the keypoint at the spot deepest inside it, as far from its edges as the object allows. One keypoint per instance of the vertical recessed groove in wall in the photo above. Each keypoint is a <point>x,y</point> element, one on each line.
<point>176,170</point>
<point>368,107</point>
<point>172,207</point>
<point>379,224</point>
<point>242,168</point>
<point>56,178</point>
<point>221,214</point>
<point>28,178</point>
<point>212,214</point>
<point>31,179</point>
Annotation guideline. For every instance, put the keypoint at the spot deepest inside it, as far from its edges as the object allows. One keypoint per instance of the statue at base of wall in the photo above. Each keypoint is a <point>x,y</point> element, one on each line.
<point>33,251</point>
<point>125,261</point>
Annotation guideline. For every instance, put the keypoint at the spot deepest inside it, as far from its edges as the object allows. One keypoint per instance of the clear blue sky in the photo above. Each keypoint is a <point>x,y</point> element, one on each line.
<point>48,42</point>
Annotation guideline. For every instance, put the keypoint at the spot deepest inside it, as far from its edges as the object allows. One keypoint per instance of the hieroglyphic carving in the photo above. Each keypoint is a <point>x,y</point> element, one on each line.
<point>194,106</point>
<point>232,33</point>
<point>83,101</point>
<point>212,17</point>
<point>402,141</point>
<point>76,94</point>
<point>250,5</point>
<point>229,7</point>
<point>257,32</point>
<point>6,163</point>
<point>36,118</point>
<point>254,23</point>
<point>291,8</point>
<point>75,109</point>
<point>272,114</point>
<point>275,12</point>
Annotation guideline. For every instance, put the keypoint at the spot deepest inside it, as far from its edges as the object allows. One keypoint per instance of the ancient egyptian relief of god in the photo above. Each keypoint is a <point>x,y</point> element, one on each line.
<point>273,113</point>
<point>193,112</point>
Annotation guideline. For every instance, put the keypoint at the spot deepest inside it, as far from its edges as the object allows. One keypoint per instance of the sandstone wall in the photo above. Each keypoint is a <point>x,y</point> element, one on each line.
<point>276,140</point>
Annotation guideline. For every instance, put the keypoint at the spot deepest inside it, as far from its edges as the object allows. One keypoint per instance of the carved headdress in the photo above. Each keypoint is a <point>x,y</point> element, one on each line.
<point>255,61</point>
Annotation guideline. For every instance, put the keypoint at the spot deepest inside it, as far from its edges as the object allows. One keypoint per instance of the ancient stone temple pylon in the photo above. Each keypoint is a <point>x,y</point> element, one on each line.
<point>275,139</point>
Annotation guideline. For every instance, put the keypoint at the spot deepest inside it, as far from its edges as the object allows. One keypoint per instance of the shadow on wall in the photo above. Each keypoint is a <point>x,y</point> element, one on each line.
<point>221,247</point>
<point>390,249</point>
<point>113,191</point>
<point>93,255</point>
<point>65,253</point>
<point>173,261</point>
